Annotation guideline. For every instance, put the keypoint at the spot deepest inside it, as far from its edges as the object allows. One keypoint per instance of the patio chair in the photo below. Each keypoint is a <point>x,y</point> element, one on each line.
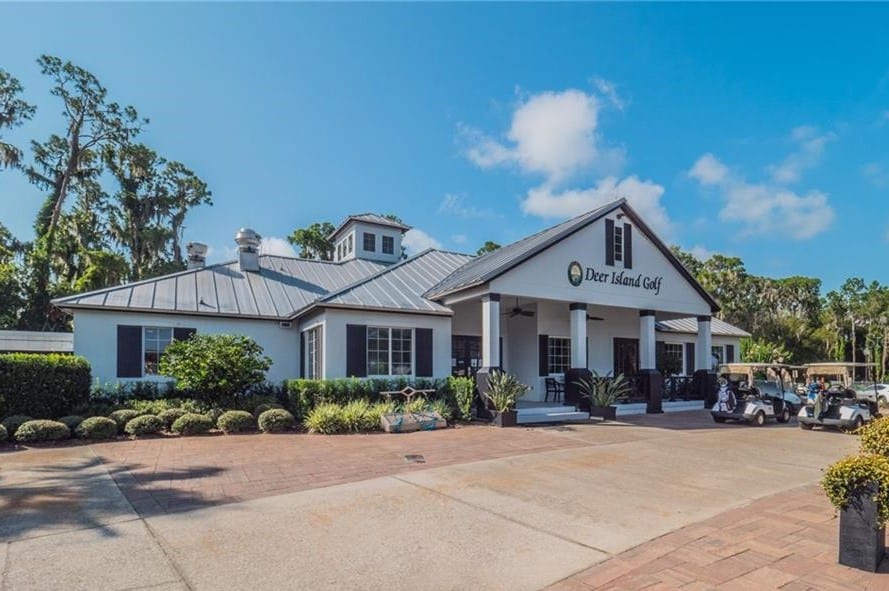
<point>555,388</point>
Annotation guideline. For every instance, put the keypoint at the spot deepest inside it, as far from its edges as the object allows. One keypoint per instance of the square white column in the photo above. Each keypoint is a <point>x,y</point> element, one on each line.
<point>704,343</point>
<point>578,335</point>
<point>647,339</point>
<point>491,330</point>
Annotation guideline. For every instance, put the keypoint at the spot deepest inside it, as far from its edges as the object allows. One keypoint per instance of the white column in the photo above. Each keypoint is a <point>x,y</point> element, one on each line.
<point>578,336</point>
<point>703,354</point>
<point>491,330</point>
<point>647,353</point>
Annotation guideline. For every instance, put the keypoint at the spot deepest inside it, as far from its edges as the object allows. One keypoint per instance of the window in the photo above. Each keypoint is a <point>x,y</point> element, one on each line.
<point>672,361</point>
<point>559,354</point>
<point>349,247</point>
<point>618,244</point>
<point>388,245</point>
<point>717,353</point>
<point>389,351</point>
<point>370,241</point>
<point>154,342</point>
<point>313,353</point>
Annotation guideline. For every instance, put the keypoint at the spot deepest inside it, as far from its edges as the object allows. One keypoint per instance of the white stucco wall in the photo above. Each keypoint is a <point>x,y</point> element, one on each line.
<point>95,337</point>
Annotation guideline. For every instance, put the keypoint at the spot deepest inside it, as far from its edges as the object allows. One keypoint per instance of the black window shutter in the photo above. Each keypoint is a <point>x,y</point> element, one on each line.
<point>181,334</point>
<point>424,352</point>
<point>628,246</point>
<point>609,242</point>
<point>660,348</point>
<point>129,351</point>
<point>543,355</point>
<point>729,353</point>
<point>302,354</point>
<point>356,350</point>
<point>689,359</point>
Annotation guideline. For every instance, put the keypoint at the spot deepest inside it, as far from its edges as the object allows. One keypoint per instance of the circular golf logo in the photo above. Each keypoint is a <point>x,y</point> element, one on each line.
<point>575,274</point>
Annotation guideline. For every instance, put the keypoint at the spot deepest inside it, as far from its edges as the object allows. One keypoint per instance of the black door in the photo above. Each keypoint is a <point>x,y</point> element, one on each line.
<point>466,355</point>
<point>626,357</point>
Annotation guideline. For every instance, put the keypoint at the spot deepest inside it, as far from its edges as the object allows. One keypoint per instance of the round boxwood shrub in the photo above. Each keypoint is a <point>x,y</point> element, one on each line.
<point>875,437</point>
<point>41,430</point>
<point>95,428</point>
<point>235,421</point>
<point>276,420</point>
<point>2,433</point>
<point>192,424</point>
<point>848,479</point>
<point>170,415</point>
<point>264,407</point>
<point>71,421</point>
<point>144,425</point>
<point>122,417</point>
<point>13,422</point>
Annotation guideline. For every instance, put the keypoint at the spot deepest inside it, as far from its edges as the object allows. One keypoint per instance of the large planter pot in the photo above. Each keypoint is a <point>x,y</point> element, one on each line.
<point>505,419</point>
<point>607,413</point>
<point>862,543</point>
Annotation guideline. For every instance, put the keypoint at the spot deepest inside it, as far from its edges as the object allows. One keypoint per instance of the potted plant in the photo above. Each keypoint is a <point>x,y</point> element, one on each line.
<point>858,486</point>
<point>503,391</point>
<point>602,392</point>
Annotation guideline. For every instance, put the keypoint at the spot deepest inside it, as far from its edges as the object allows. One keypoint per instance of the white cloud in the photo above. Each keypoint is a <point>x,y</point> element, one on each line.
<point>456,205</point>
<point>876,174</point>
<point>708,170</point>
<point>808,155</point>
<point>276,246</point>
<point>609,91</point>
<point>702,253</point>
<point>460,238</point>
<point>416,240</point>
<point>221,254</point>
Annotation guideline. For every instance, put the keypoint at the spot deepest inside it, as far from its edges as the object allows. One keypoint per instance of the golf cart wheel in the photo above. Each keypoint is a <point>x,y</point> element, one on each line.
<point>784,417</point>
<point>759,419</point>
<point>855,426</point>
<point>806,426</point>
<point>719,419</point>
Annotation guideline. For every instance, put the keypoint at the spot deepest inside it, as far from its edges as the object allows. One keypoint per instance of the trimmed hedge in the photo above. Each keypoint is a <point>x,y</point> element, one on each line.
<point>235,421</point>
<point>192,424</point>
<point>276,420</point>
<point>170,415</point>
<point>95,428</point>
<point>71,421</point>
<point>264,407</point>
<point>2,433</point>
<point>43,385</point>
<point>41,430</point>
<point>144,425</point>
<point>122,417</point>
<point>12,423</point>
<point>303,395</point>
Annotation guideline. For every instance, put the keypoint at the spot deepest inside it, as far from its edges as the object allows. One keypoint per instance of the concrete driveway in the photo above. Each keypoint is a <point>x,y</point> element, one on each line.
<point>577,496</point>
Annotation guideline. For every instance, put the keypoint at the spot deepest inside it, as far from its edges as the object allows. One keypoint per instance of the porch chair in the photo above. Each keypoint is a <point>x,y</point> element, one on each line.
<point>554,387</point>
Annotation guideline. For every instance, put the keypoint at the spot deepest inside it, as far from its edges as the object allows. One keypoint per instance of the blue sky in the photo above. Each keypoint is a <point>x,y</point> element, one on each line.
<point>755,130</point>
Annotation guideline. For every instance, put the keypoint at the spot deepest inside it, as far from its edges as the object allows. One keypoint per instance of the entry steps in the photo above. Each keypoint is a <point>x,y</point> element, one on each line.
<point>549,414</point>
<point>639,408</point>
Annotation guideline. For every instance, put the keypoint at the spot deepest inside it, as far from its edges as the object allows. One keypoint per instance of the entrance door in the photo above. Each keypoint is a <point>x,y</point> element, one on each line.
<point>626,357</point>
<point>466,355</point>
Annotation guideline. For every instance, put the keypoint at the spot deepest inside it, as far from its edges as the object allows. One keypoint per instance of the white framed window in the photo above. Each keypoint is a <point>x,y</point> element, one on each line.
<point>155,339</point>
<point>370,242</point>
<point>349,245</point>
<point>313,353</point>
<point>388,245</point>
<point>718,352</point>
<point>559,354</point>
<point>390,351</point>
<point>618,244</point>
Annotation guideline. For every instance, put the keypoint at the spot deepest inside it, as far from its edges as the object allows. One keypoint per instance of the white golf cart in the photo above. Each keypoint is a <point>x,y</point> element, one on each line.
<point>839,405</point>
<point>755,393</point>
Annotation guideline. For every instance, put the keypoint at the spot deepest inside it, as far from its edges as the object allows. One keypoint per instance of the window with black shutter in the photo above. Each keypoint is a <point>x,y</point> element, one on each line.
<point>129,351</point>
<point>356,350</point>
<point>543,355</point>
<point>424,352</point>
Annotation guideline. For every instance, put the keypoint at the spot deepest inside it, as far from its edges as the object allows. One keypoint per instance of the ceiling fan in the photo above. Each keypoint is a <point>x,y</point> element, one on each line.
<point>518,311</point>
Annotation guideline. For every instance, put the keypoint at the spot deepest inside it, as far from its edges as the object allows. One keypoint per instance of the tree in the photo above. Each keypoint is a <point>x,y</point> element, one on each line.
<point>13,112</point>
<point>488,246</point>
<point>11,297</point>
<point>313,241</point>
<point>688,260</point>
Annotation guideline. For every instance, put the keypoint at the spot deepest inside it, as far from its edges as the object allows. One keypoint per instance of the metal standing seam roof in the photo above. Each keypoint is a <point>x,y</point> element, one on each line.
<point>401,286</point>
<point>690,326</point>
<point>371,218</point>
<point>32,341</point>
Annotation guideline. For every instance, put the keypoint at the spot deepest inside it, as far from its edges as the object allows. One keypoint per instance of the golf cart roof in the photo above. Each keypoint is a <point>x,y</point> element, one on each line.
<point>748,367</point>
<point>834,367</point>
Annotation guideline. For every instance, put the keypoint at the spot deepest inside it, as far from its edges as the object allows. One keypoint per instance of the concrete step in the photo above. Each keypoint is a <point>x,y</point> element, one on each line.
<point>638,408</point>
<point>550,414</point>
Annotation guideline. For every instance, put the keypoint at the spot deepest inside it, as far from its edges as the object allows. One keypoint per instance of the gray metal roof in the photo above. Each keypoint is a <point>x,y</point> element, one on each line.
<point>370,218</point>
<point>401,287</point>
<point>489,265</point>
<point>32,341</point>
<point>281,288</point>
<point>690,326</point>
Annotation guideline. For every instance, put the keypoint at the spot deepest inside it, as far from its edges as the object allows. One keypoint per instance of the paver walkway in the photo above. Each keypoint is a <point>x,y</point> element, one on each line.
<point>786,541</point>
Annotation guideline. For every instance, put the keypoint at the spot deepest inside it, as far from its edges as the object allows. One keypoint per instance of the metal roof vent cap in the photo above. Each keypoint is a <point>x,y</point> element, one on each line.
<point>248,243</point>
<point>197,255</point>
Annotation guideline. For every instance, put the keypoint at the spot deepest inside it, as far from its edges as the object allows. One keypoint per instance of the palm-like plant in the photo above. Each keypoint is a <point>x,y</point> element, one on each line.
<point>503,390</point>
<point>604,390</point>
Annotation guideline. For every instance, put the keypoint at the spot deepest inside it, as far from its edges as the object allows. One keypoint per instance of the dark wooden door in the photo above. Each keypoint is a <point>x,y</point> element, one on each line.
<point>626,357</point>
<point>466,355</point>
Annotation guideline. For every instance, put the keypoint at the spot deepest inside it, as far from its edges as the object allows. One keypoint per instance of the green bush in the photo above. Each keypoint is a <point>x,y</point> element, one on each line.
<point>170,415</point>
<point>261,408</point>
<point>42,430</point>
<point>156,407</point>
<point>854,476</point>
<point>95,428</point>
<point>144,425</point>
<point>356,415</point>
<point>42,385</point>
<point>235,421</point>
<point>3,434</point>
<point>192,424</point>
<point>463,391</point>
<point>12,423</point>
<point>875,437</point>
<point>122,417</point>
<point>326,418</point>
<point>276,420</point>
<point>215,367</point>
<point>303,395</point>
<point>443,408</point>
<point>71,421</point>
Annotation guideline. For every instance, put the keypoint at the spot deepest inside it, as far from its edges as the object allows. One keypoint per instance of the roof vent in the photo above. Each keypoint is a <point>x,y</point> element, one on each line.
<point>197,255</point>
<point>248,243</point>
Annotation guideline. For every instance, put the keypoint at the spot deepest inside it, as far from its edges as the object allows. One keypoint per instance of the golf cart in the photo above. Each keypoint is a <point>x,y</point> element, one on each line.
<point>755,393</point>
<point>839,405</point>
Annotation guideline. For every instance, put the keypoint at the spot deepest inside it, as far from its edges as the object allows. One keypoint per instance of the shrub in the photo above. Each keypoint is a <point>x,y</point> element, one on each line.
<point>875,437</point>
<point>276,420</point>
<point>2,433</point>
<point>326,418</point>
<point>463,391</point>
<point>303,395</point>
<point>42,430</point>
<point>441,406</point>
<point>95,428</point>
<point>71,421</point>
<point>42,385</point>
<point>235,421</point>
<point>417,404</point>
<point>264,407</point>
<point>215,366</point>
<point>144,425</point>
<point>356,416</point>
<point>170,415</point>
<point>503,390</point>
<point>156,407</point>
<point>848,479</point>
<point>12,423</point>
<point>192,424</point>
<point>122,417</point>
